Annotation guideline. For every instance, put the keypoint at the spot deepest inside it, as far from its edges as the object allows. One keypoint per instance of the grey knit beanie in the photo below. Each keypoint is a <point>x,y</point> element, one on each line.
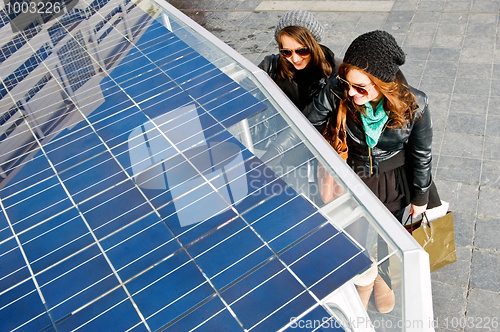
<point>377,53</point>
<point>303,19</point>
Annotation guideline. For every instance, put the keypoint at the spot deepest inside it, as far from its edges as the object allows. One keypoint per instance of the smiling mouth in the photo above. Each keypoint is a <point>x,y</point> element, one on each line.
<point>358,98</point>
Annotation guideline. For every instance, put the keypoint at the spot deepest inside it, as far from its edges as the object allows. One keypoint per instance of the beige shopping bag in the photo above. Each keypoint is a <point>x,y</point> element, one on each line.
<point>438,240</point>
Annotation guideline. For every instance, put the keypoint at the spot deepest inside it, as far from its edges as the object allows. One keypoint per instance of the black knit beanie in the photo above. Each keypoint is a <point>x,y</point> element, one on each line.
<point>377,53</point>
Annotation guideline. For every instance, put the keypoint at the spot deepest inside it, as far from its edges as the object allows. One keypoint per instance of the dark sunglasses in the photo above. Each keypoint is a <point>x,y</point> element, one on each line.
<point>346,85</point>
<point>304,51</point>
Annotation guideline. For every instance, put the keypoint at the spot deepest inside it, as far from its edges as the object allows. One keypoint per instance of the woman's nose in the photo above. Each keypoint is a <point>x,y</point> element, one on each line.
<point>295,57</point>
<point>352,91</point>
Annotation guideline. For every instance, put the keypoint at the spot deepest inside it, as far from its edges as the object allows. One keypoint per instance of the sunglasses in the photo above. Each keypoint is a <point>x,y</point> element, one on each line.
<point>304,51</point>
<point>346,85</point>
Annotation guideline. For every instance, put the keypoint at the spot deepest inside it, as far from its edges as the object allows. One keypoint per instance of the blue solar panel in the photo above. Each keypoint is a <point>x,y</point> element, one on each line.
<point>127,202</point>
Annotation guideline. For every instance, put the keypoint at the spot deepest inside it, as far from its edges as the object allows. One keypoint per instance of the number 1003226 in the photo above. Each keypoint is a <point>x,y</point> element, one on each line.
<point>32,7</point>
<point>472,322</point>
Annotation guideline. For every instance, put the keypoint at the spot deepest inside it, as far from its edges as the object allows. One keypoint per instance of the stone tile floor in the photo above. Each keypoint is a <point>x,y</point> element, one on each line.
<point>453,54</point>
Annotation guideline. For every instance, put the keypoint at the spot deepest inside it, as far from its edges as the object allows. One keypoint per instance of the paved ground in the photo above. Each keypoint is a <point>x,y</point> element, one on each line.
<point>453,54</point>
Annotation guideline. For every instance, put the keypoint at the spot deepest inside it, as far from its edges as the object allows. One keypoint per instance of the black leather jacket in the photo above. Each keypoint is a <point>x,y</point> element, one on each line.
<point>311,82</point>
<point>411,145</point>
<point>306,82</point>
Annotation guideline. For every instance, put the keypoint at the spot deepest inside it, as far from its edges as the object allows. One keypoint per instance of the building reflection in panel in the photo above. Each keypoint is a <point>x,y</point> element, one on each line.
<point>52,73</point>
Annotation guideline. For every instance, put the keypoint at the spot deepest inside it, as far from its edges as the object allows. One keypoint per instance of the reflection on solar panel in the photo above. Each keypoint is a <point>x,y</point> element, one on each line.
<point>126,202</point>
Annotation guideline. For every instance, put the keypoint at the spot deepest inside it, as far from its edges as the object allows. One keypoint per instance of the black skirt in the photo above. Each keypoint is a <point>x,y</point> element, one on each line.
<point>393,189</point>
<point>390,187</point>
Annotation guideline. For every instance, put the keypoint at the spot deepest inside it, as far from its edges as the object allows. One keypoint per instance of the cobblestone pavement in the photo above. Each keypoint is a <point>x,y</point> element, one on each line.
<point>453,54</point>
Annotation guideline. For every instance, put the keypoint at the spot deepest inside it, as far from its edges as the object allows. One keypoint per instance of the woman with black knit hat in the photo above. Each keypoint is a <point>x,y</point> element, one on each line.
<point>301,70</point>
<point>389,133</point>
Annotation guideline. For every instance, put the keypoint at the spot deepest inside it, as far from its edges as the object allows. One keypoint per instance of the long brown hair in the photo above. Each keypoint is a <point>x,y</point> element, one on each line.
<point>399,102</point>
<point>304,37</point>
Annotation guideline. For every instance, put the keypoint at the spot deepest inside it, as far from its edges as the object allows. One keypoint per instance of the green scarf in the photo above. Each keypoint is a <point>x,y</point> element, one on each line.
<point>374,122</point>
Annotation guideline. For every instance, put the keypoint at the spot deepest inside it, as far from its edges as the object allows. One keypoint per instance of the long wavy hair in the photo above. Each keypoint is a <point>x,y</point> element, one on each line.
<point>286,70</point>
<point>399,102</point>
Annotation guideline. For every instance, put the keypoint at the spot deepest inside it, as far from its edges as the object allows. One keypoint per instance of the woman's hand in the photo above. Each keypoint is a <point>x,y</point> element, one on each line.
<point>415,210</point>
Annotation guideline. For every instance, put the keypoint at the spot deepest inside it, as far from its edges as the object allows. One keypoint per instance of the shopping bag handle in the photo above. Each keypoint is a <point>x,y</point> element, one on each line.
<point>418,223</point>
<point>424,215</point>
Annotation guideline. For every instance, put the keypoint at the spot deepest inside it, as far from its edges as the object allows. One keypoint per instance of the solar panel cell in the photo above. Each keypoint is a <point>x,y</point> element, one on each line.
<point>155,37</point>
<point>285,298</point>
<point>82,184</point>
<point>36,204</point>
<point>155,84</point>
<point>114,208</point>
<point>28,175</point>
<point>228,252</point>
<point>5,231</point>
<point>75,282</point>
<point>169,50</point>
<point>113,312</point>
<point>325,260</point>
<point>169,289</point>
<point>232,108</point>
<point>116,129</point>
<point>74,147</point>
<point>160,104</point>
<point>278,222</point>
<point>22,308</point>
<point>175,54</point>
<point>209,82</point>
<point>14,269</point>
<point>187,67</point>
<point>140,246</point>
<point>211,316</point>
<point>55,239</point>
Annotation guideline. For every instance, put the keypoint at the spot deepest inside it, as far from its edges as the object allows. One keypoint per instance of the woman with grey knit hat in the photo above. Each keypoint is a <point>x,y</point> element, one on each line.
<point>389,134</point>
<point>302,65</point>
<point>301,69</point>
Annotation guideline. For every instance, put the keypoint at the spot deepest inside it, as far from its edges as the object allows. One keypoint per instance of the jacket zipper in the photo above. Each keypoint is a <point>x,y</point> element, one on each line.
<point>370,152</point>
<point>371,163</point>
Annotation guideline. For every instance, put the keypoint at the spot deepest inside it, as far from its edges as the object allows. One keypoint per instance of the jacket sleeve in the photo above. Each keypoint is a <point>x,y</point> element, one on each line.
<point>322,105</point>
<point>419,144</point>
<point>266,63</point>
<point>316,112</point>
<point>286,141</point>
